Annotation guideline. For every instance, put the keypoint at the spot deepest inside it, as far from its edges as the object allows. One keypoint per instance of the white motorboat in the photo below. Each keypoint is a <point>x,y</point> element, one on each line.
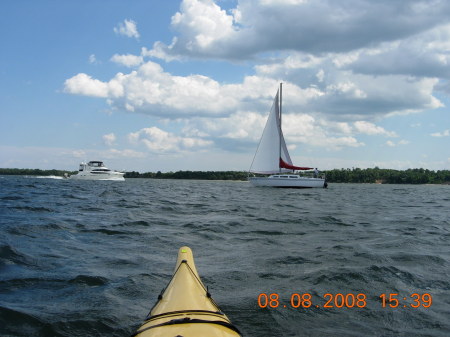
<point>272,163</point>
<point>96,170</point>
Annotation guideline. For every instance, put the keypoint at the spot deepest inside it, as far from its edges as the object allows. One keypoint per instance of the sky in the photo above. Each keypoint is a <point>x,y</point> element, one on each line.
<point>150,85</point>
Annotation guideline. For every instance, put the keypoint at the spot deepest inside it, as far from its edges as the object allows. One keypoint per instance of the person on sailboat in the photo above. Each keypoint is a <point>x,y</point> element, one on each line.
<point>316,173</point>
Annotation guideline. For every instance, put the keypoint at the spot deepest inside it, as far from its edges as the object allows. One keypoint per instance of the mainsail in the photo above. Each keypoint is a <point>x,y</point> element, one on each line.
<point>272,155</point>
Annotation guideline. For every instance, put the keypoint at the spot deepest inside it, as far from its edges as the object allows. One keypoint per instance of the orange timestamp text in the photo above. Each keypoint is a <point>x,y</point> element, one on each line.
<point>340,300</point>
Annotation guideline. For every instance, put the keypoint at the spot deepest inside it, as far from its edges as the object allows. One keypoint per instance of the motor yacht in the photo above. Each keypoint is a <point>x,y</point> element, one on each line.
<point>96,170</point>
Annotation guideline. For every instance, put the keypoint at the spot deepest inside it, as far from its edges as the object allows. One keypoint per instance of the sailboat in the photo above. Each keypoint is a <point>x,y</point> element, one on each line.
<point>272,159</point>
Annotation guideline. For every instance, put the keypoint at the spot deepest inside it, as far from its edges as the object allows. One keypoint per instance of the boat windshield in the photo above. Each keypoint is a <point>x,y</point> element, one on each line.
<point>96,164</point>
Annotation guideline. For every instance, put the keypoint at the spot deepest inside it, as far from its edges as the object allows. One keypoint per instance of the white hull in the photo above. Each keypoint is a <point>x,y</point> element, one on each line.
<point>96,176</point>
<point>287,181</point>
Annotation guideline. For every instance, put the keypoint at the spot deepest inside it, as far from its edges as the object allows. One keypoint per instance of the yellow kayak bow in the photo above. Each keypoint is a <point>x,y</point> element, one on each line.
<point>185,307</point>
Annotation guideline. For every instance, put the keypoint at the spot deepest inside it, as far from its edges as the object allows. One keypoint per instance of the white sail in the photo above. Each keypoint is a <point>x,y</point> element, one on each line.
<point>284,151</point>
<point>272,146</point>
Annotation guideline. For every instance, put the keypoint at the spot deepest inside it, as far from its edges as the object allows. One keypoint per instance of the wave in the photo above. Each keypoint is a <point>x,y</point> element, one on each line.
<point>9,255</point>
<point>33,209</point>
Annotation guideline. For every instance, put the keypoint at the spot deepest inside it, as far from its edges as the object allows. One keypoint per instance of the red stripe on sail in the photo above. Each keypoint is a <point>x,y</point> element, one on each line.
<point>285,165</point>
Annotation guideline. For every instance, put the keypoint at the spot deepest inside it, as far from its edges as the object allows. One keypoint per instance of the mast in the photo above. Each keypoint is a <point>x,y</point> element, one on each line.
<point>279,119</point>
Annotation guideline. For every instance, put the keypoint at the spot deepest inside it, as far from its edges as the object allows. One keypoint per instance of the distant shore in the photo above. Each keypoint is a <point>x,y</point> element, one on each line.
<point>355,175</point>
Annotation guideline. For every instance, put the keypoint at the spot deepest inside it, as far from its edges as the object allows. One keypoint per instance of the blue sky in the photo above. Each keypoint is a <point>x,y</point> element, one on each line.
<point>187,85</point>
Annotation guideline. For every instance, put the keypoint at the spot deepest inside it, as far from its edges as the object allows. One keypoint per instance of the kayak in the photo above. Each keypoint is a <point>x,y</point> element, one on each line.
<point>185,307</point>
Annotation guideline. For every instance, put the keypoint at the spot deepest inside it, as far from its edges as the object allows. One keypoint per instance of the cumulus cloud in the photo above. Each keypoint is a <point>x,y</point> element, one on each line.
<point>344,56</point>
<point>127,60</point>
<point>424,55</point>
<point>371,129</point>
<point>344,94</point>
<point>127,28</point>
<point>305,129</point>
<point>160,141</point>
<point>83,84</point>
<point>151,90</point>
<point>233,115</point>
<point>361,62</point>
<point>109,139</point>
<point>241,131</point>
<point>328,75</point>
<point>201,24</point>
<point>254,27</point>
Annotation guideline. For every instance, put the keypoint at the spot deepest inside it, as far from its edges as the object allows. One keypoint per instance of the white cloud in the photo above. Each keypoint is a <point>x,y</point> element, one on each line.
<point>83,84</point>
<point>241,126</point>
<point>127,28</point>
<point>160,141</point>
<point>242,131</point>
<point>92,59</point>
<point>341,127</point>
<point>215,112</point>
<point>331,60</point>
<point>332,96</point>
<point>254,27</point>
<point>205,20</point>
<point>151,90</point>
<point>424,54</point>
<point>201,24</point>
<point>445,133</point>
<point>346,95</point>
<point>325,67</point>
<point>109,139</point>
<point>305,129</point>
<point>371,129</point>
<point>393,144</point>
<point>127,60</point>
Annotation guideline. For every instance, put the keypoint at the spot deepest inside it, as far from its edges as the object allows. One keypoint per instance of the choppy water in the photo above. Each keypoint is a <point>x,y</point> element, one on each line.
<point>80,258</point>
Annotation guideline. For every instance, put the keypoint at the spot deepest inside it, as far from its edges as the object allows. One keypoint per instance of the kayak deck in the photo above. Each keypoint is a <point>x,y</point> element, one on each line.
<point>185,307</point>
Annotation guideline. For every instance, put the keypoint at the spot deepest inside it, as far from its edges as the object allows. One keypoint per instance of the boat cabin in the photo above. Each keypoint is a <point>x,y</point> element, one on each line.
<point>93,166</point>
<point>96,164</point>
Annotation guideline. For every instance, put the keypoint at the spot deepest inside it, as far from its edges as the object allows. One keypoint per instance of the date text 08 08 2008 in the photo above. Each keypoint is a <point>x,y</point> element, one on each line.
<point>339,300</point>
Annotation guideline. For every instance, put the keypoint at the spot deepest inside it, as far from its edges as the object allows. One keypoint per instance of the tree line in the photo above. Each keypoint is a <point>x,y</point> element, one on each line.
<point>354,175</point>
<point>199,175</point>
<point>34,172</point>
<point>388,176</point>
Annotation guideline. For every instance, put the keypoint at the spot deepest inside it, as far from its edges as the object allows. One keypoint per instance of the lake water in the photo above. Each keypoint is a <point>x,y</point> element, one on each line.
<point>84,258</point>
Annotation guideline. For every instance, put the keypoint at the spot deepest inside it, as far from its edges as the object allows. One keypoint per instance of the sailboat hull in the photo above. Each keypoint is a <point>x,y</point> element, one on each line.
<point>287,181</point>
